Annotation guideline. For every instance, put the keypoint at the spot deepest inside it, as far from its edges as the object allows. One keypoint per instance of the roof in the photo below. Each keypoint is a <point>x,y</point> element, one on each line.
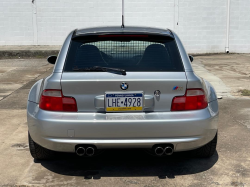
<point>130,29</point>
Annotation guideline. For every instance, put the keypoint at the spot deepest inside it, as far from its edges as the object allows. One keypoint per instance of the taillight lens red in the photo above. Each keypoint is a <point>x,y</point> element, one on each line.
<point>194,99</point>
<point>54,100</point>
<point>122,35</point>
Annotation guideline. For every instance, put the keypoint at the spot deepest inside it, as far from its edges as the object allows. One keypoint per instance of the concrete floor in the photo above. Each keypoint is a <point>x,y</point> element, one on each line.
<point>230,166</point>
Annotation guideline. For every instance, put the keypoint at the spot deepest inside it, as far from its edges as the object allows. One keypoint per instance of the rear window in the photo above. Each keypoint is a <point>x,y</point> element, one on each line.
<point>129,52</point>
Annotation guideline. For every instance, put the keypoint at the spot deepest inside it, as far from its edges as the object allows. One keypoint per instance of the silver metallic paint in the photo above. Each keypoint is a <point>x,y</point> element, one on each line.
<point>185,130</point>
<point>34,94</point>
<point>127,29</point>
<point>212,96</point>
<point>85,86</point>
<point>63,54</point>
<point>184,56</point>
<point>112,130</point>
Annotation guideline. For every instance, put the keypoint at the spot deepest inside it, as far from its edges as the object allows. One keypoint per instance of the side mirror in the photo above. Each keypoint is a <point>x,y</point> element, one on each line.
<point>52,59</point>
<point>191,58</point>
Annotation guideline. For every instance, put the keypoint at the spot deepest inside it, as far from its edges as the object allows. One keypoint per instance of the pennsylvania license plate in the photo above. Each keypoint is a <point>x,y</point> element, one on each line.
<point>123,102</point>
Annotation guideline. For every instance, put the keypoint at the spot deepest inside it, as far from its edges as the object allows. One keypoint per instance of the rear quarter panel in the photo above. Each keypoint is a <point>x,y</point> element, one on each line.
<point>52,81</point>
<point>194,81</point>
<point>34,94</point>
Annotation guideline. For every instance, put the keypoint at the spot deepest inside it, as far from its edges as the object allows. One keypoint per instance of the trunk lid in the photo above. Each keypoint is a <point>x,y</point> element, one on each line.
<point>89,88</point>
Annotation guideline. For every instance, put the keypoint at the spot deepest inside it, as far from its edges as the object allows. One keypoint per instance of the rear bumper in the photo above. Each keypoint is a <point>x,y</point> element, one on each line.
<point>60,131</point>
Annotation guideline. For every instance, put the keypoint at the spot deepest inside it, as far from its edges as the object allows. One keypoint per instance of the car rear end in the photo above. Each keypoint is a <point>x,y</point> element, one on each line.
<point>122,90</point>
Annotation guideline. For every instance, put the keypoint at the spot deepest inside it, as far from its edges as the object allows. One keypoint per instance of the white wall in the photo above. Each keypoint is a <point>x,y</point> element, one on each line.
<point>201,23</point>
<point>16,27</point>
<point>159,13</point>
<point>240,26</point>
<point>55,19</point>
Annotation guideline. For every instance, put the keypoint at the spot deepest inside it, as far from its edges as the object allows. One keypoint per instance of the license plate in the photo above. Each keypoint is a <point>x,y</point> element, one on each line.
<point>124,102</point>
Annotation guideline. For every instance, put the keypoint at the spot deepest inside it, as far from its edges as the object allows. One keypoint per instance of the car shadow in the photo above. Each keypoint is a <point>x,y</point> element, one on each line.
<point>128,163</point>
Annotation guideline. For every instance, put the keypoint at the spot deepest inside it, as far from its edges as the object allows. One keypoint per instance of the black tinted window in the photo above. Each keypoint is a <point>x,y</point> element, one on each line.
<point>132,53</point>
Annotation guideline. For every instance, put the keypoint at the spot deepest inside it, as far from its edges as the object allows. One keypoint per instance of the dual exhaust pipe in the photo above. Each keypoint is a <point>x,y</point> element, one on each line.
<point>88,151</point>
<point>160,151</point>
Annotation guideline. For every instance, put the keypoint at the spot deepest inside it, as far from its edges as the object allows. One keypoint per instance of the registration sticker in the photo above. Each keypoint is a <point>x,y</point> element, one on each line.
<point>124,102</point>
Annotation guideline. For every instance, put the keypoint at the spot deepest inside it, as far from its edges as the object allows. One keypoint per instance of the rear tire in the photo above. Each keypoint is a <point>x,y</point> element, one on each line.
<point>207,150</point>
<point>39,152</point>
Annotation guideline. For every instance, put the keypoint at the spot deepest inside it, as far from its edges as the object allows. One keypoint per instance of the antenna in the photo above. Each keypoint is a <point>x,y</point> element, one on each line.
<point>122,14</point>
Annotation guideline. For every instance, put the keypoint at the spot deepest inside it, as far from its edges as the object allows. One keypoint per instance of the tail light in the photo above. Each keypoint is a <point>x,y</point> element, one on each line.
<point>54,100</point>
<point>122,35</point>
<point>194,99</point>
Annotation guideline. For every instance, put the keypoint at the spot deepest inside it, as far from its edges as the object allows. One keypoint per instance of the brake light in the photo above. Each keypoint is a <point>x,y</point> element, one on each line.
<point>54,100</point>
<point>194,99</point>
<point>122,35</point>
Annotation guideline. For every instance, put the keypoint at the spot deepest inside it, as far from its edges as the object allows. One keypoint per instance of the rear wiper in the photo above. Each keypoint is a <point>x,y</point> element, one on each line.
<point>99,68</point>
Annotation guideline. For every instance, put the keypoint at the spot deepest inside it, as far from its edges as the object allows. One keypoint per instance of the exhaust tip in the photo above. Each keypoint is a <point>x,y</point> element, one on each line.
<point>80,151</point>
<point>90,151</point>
<point>159,151</point>
<point>169,151</point>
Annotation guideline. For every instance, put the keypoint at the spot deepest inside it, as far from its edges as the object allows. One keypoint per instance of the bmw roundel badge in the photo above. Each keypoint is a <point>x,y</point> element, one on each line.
<point>124,86</point>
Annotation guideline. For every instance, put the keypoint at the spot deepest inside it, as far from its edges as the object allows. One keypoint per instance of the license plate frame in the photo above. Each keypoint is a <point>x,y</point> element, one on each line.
<point>124,109</point>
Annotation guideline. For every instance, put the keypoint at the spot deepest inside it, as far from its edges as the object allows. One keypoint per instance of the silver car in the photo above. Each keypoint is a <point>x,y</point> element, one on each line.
<point>114,87</point>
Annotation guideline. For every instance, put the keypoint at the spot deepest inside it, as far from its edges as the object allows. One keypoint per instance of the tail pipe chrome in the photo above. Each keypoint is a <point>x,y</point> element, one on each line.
<point>168,151</point>
<point>161,150</point>
<point>90,151</point>
<point>85,151</point>
<point>80,151</point>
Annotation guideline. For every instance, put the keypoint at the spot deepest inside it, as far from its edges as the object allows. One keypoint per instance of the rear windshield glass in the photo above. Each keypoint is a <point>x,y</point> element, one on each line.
<point>128,52</point>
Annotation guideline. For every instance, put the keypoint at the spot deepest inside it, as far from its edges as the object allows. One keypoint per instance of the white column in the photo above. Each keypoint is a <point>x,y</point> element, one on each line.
<point>34,22</point>
<point>176,15</point>
<point>123,24</point>
<point>228,26</point>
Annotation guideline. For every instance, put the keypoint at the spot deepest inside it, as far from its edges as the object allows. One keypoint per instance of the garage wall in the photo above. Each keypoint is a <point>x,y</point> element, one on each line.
<point>158,13</point>
<point>200,24</point>
<point>16,26</point>
<point>55,19</point>
<point>240,26</point>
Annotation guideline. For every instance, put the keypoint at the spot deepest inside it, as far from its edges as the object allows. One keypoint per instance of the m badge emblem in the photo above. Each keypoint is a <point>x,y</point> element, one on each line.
<point>178,88</point>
